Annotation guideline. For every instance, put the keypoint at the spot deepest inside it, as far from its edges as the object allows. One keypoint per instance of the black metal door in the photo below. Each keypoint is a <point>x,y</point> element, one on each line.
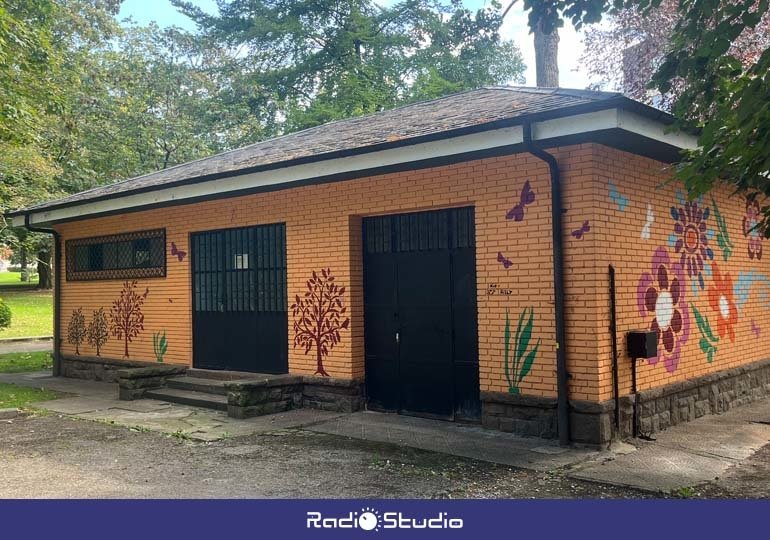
<point>239,299</point>
<point>420,314</point>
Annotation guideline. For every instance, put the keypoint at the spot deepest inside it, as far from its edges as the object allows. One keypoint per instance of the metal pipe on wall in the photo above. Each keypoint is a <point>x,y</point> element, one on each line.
<point>562,376</point>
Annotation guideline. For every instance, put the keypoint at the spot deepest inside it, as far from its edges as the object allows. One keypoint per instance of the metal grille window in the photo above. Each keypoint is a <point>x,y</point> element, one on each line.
<point>423,231</point>
<point>134,255</point>
<point>240,269</point>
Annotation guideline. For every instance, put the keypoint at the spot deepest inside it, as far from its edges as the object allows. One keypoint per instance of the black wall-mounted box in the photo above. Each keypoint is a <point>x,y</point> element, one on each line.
<point>642,343</point>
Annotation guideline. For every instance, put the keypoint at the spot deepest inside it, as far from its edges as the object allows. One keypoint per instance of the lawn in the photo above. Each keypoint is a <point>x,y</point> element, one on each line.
<point>12,396</point>
<point>25,361</point>
<point>31,312</point>
<point>13,279</point>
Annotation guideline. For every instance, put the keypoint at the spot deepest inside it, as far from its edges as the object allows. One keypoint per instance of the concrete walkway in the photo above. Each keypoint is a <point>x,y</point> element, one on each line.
<point>683,456</point>
<point>688,454</point>
<point>14,345</point>
<point>462,440</point>
<point>99,401</point>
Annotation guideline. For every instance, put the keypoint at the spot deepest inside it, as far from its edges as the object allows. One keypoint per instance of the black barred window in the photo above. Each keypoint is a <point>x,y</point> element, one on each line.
<point>132,255</point>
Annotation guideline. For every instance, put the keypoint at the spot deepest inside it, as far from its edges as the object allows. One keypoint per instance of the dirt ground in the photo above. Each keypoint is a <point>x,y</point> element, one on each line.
<point>54,456</point>
<point>49,455</point>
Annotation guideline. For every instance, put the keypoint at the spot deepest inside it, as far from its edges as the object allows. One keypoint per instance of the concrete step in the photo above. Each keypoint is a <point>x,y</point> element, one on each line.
<point>189,397</point>
<point>197,384</point>
<point>219,375</point>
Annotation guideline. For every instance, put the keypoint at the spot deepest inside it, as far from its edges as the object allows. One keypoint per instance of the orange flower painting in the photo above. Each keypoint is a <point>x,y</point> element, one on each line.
<point>722,302</point>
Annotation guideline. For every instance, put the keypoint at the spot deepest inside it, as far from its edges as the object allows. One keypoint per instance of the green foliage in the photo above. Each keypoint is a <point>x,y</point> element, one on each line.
<point>519,366</point>
<point>708,340</point>
<point>723,237</point>
<point>5,314</point>
<point>308,62</point>
<point>12,396</point>
<point>724,79</point>
<point>32,312</point>
<point>25,362</point>
<point>159,345</point>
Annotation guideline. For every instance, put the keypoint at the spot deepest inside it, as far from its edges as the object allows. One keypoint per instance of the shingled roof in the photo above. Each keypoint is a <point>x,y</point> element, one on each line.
<point>474,110</point>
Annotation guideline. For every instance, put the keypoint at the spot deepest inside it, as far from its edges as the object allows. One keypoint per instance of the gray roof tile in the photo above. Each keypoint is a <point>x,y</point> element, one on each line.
<point>427,118</point>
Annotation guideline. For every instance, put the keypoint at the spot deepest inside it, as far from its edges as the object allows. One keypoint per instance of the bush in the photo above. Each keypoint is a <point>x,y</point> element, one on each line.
<point>5,314</point>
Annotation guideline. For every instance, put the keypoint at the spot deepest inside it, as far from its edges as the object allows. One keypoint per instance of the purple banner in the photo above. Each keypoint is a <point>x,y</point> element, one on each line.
<point>292,519</point>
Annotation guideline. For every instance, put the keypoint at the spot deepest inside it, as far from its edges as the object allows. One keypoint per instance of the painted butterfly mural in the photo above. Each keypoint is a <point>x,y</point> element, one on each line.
<point>527,197</point>
<point>175,251</point>
<point>507,263</point>
<point>647,228</point>
<point>756,329</point>
<point>584,228</point>
<point>621,200</point>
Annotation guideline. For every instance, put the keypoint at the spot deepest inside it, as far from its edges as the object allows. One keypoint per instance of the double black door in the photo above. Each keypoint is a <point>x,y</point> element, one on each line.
<point>239,299</point>
<point>420,314</point>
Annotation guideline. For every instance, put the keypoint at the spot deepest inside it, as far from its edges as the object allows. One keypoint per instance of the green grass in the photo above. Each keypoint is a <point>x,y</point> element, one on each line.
<point>20,362</point>
<point>12,396</point>
<point>13,280</point>
<point>31,313</point>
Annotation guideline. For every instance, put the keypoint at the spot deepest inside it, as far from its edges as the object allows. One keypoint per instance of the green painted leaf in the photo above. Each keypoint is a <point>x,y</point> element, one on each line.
<point>526,333</point>
<point>723,238</point>
<point>703,325</point>
<point>518,335</point>
<point>513,390</point>
<point>528,361</point>
<point>704,345</point>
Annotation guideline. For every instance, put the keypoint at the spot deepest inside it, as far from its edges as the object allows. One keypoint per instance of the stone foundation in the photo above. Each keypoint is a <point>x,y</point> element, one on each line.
<point>249,398</point>
<point>95,368</point>
<point>659,408</point>
<point>134,382</point>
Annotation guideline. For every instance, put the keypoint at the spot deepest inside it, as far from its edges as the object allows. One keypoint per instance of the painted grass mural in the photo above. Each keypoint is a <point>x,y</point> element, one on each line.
<point>518,366</point>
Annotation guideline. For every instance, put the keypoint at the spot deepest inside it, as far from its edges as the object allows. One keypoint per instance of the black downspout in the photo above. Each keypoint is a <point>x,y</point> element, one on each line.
<point>56,292</point>
<point>562,377</point>
<point>614,341</point>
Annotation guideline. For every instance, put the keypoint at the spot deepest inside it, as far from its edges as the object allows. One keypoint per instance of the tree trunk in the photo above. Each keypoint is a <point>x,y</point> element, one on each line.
<point>125,345</point>
<point>320,362</point>
<point>44,269</point>
<point>546,57</point>
<point>24,276</point>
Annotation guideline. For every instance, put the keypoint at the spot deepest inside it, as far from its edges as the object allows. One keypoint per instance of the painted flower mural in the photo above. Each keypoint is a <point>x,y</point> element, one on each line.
<point>751,231</point>
<point>660,294</point>
<point>722,302</point>
<point>691,244</point>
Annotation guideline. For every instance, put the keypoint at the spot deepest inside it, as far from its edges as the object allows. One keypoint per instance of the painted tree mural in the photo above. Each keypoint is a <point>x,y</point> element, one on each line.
<point>319,315</point>
<point>126,317</point>
<point>98,330</point>
<point>76,329</point>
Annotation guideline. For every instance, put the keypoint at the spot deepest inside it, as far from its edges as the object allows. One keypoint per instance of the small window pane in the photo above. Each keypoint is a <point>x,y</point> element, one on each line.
<point>122,256</point>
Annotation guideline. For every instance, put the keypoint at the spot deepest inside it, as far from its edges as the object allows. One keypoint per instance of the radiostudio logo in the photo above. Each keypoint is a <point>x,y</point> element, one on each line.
<point>370,519</point>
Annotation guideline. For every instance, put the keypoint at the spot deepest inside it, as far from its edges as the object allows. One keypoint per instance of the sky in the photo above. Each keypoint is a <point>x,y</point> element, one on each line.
<point>515,27</point>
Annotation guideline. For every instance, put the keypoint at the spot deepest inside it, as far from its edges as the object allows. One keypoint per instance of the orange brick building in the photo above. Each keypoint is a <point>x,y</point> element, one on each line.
<point>412,256</point>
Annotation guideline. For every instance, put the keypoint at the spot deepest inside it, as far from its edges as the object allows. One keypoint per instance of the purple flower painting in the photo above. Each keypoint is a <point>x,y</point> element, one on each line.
<point>753,232</point>
<point>660,295</point>
<point>691,245</point>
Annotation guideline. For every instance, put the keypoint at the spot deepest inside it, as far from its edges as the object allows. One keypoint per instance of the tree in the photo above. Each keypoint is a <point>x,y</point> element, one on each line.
<point>546,57</point>
<point>76,329</point>
<point>625,53</point>
<point>98,330</point>
<point>725,85</point>
<point>319,315</point>
<point>308,62</point>
<point>126,317</point>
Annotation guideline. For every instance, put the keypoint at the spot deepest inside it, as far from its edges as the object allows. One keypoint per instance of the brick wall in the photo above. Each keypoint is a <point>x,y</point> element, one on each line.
<point>742,290</point>
<point>323,229</point>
